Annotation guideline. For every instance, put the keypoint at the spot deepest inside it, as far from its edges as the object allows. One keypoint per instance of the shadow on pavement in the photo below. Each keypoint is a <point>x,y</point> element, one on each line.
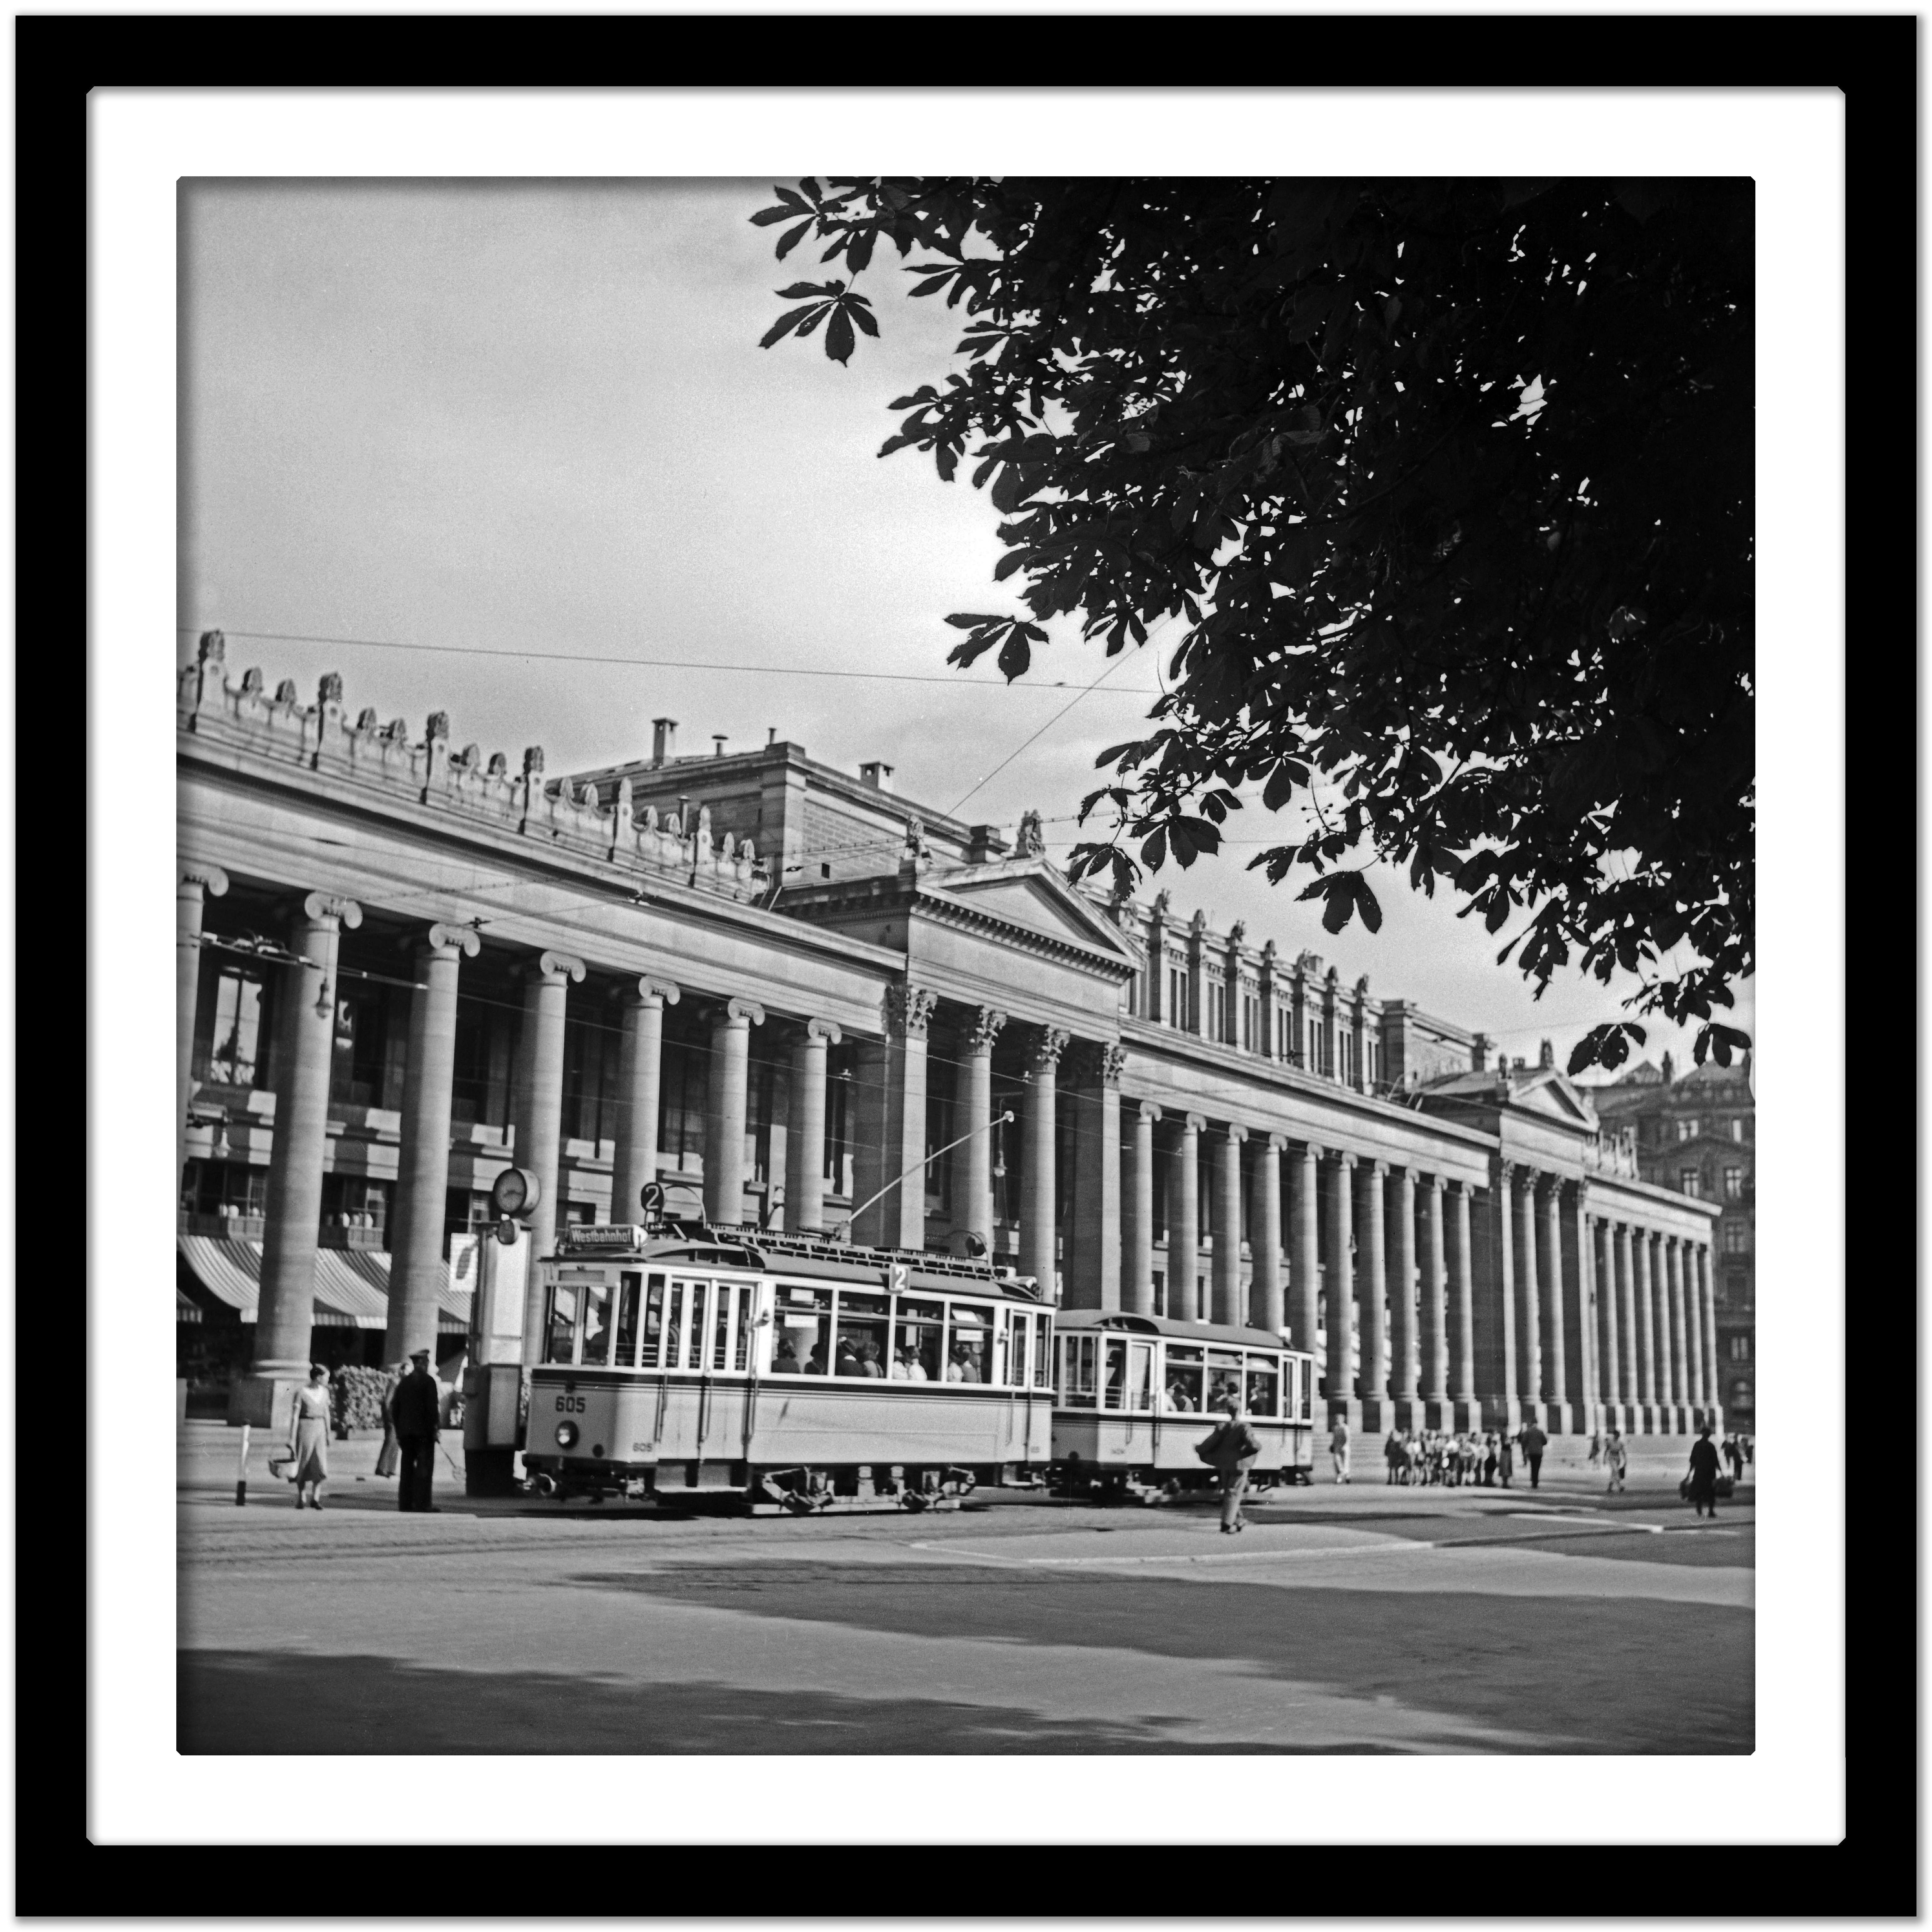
<point>1619,1675</point>
<point>279,1703</point>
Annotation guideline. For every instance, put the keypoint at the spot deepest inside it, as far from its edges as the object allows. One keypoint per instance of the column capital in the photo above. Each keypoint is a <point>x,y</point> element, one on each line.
<point>733,1012</point>
<point>1505,1172</point>
<point>1313,1151</point>
<point>1237,1133</point>
<point>1546,1184</point>
<point>1276,1143</point>
<point>1193,1123</point>
<point>1096,1062</point>
<point>1345,1156</point>
<point>320,906</point>
<point>1149,1111</point>
<point>460,939</point>
<point>822,1030</point>
<point>554,968</point>
<point>983,1028</point>
<point>212,879</point>
<point>1379,1168</point>
<point>1434,1183</point>
<point>648,990</point>
<point>909,1010</point>
<point>1044,1051</point>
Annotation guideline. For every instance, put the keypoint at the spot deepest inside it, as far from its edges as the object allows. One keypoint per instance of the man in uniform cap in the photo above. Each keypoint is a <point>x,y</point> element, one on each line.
<point>417,1406</point>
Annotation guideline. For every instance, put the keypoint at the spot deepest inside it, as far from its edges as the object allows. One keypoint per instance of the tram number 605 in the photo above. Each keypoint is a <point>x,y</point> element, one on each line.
<point>572,1403</point>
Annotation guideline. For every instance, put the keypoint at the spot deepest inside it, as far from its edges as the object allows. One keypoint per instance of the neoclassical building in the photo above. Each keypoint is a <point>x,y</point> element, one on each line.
<point>781,988</point>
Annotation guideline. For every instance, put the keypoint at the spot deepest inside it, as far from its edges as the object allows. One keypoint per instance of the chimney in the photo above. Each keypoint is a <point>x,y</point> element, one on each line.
<point>1479,1054</point>
<point>664,740</point>
<point>1668,1074</point>
<point>879,776</point>
<point>718,741</point>
<point>1546,1056</point>
<point>985,844</point>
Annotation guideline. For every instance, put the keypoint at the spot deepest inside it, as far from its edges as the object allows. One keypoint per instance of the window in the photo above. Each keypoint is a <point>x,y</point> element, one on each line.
<point>354,1201</point>
<point>1737,1286</point>
<point>1251,1023</point>
<point>1734,1183</point>
<point>654,1315</point>
<point>632,1285</point>
<point>683,1070</point>
<point>1284,1046</point>
<point>559,1322</point>
<point>837,1164</point>
<point>1686,1130</point>
<point>1736,1238</point>
<point>480,1089</point>
<point>803,1326</point>
<point>968,1355</point>
<point>356,1066</point>
<point>1263,1383</point>
<point>234,1053</point>
<point>1182,1386</point>
<point>1738,1129</point>
<point>590,1080</point>
<point>863,1335</point>
<point>939,1131</point>
<point>1687,1181</point>
<point>1740,1350</point>
<point>1177,998</point>
<point>1225,1375</point>
<point>597,1324</point>
<point>1077,1370</point>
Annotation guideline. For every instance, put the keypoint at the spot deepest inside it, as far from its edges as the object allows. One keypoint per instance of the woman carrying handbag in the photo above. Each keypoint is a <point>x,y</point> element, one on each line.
<point>308,1439</point>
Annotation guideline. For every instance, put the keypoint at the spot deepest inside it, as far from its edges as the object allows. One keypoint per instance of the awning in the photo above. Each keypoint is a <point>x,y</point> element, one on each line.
<point>352,1284</point>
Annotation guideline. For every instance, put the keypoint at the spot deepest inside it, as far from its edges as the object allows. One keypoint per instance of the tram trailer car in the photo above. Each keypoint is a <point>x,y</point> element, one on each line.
<point>782,1373</point>
<point>1134,1394</point>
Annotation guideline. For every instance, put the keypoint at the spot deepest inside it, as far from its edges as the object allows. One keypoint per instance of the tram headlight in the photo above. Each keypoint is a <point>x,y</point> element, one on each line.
<point>566,1434</point>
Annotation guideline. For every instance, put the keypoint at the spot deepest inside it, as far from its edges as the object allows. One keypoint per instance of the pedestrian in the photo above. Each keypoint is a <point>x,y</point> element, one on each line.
<point>1736,1456</point>
<point>1704,1472</point>
<point>1533,1444</point>
<point>1505,1458</point>
<point>1338,1448</point>
<point>1616,1456</point>
<point>308,1439</point>
<point>418,1403</point>
<point>1596,1448</point>
<point>1232,1449</point>
<point>387,1457</point>
<point>1490,1459</point>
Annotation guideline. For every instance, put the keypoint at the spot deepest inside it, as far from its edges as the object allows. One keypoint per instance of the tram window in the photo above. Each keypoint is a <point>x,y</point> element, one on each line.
<point>1140,1376</point>
<point>596,1324</point>
<point>863,1332</point>
<point>560,1324</point>
<point>1011,1366</point>
<point>1076,1371</point>
<point>721,1324</point>
<point>654,1311</point>
<point>1113,1388</point>
<point>1307,1387</point>
<point>1261,1385</point>
<point>741,1354</point>
<point>673,1333</point>
<point>630,1286</point>
<point>918,1334</point>
<point>804,1319</point>
<point>1181,1389</point>
<point>966,1359</point>
<point>1224,1375</point>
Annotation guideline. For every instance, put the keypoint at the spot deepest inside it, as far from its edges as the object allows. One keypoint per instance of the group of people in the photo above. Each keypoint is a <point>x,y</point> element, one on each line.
<point>860,1355</point>
<point>411,1421</point>
<point>1452,1458</point>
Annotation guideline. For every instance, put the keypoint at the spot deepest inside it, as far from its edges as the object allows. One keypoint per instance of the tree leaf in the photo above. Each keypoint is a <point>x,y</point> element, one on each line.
<point>785,324</point>
<point>1015,654</point>
<point>838,337</point>
<point>791,237</point>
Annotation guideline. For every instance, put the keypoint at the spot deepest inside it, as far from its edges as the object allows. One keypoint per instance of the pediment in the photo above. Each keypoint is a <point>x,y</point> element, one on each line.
<point>1030,896</point>
<point>1556,1096</point>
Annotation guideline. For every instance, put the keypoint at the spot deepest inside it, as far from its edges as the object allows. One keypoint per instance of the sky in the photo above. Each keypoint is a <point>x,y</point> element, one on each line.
<point>532,417</point>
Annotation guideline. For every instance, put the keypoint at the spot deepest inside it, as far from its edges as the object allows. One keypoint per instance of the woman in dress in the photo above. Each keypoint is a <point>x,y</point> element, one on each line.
<point>308,1439</point>
<point>389,1458</point>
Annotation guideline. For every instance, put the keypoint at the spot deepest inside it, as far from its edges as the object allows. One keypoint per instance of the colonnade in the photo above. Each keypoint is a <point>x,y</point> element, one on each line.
<point>1560,1311</point>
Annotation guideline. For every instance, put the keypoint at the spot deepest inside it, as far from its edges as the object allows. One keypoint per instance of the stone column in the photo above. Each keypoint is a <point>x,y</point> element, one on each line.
<point>1434,1342</point>
<point>1660,1298</point>
<point>1628,1385</point>
<point>1039,1233</point>
<point>1404,1369</point>
<point>1646,1334</point>
<point>1467,1413</point>
<point>639,1069</point>
<point>804,1130</point>
<point>1681,1373</point>
<point>191,889</point>
<point>1579,1313</point>
<point>1137,1263</point>
<point>1371,1260</point>
<point>536,1112</point>
<point>1093,1236</point>
<point>1707,1298</point>
<point>891,1139</point>
<point>1183,1220</point>
<point>1610,1369</point>
<point>1266,1308</point>
<point>416,1266</point>
<point>1230,1303</point>
<point>1502,1248</point>
<point>973,1162</point>
<point>1339,1376</point>
<point>1304,1279</point>
<point>1528,1306</point>
<point>286,1312</point>
<point>1694,1334</point>
<point>1550,1286</point>
<point>725,1109</point>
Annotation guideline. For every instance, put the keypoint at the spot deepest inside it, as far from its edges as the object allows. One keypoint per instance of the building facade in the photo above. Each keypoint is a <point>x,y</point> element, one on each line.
<point>782,990</point>
<point>1697,1134</point>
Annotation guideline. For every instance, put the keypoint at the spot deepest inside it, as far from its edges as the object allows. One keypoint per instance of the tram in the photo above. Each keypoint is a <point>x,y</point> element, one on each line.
<point>1134,1394</point>
<point>783,1373</point>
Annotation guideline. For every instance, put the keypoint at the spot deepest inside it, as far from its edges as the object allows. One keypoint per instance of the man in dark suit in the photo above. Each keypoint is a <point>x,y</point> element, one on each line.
<point>1533,1444</point>
<point>417,1406</point>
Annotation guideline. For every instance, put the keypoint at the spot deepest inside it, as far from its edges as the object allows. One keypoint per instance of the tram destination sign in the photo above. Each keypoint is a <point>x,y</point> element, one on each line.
<point>605,1235</point>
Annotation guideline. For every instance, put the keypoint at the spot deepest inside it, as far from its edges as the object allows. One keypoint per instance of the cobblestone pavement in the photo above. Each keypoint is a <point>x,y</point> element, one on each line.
<point>1348,1619</point>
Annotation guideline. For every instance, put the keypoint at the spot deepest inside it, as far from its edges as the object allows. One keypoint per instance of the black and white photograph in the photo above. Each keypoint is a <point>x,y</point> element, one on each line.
<point>968,966</point>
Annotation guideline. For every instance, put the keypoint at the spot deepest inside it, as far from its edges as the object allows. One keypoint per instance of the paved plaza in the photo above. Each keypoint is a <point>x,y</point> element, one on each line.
<point>1360,1618</point>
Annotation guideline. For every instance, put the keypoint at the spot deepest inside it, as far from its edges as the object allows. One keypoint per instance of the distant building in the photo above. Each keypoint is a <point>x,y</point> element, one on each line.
<point>1697,1135</point>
